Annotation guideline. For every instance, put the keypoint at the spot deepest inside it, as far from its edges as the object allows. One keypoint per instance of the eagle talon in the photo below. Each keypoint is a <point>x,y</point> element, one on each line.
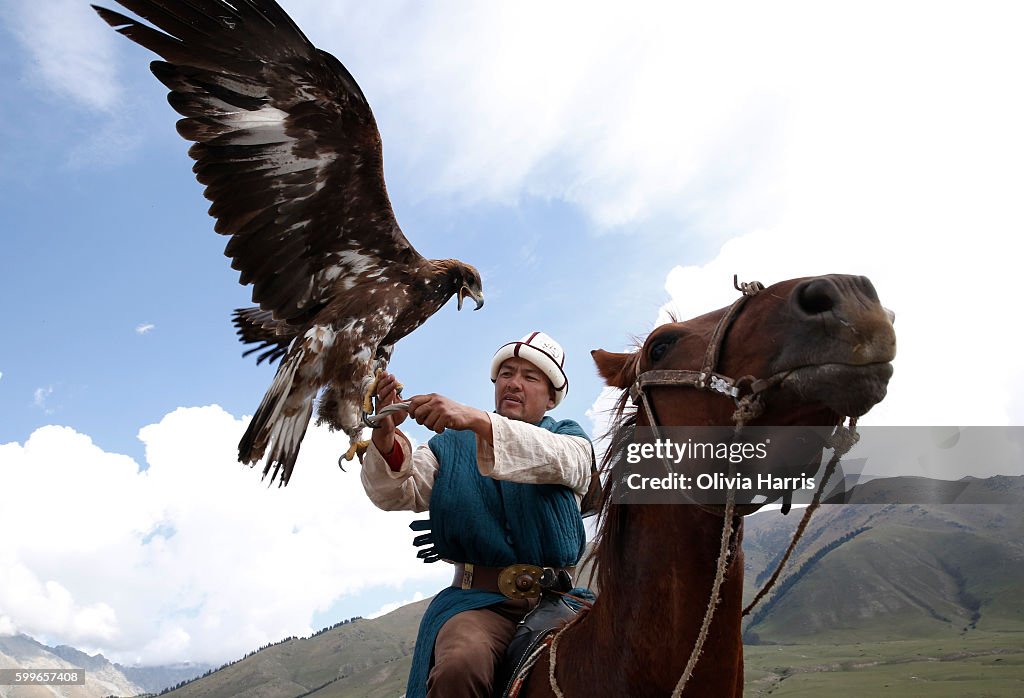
<point>358,448</point>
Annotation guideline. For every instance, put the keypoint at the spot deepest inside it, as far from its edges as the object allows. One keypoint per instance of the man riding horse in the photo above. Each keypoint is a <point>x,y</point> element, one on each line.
<point>503,490</point>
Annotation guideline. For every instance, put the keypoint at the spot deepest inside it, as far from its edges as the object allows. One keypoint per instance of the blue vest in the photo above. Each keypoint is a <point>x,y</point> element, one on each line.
<point>493,523</point>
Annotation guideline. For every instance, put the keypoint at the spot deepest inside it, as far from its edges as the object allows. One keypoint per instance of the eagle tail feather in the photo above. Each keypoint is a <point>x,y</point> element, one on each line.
<point>274,426</point>
<point>286,437</point>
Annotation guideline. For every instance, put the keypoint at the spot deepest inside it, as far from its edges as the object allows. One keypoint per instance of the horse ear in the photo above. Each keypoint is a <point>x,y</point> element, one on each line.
<point>618,370</point>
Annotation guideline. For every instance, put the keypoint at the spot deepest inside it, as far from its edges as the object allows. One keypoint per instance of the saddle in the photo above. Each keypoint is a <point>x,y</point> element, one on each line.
<point>551,613</point>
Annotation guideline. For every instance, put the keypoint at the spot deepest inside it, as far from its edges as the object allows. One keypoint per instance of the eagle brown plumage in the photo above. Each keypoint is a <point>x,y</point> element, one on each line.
<point>290,155</point>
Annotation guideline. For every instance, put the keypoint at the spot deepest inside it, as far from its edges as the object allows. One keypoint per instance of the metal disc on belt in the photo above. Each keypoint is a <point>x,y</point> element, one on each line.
<point>520,581</point>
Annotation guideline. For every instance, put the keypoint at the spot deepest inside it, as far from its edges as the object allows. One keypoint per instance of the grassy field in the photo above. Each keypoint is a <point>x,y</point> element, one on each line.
<point>978,665</point>
<point>984,665</point>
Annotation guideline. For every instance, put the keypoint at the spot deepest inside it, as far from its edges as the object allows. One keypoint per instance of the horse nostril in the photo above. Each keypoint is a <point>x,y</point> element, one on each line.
<point>817,296</point>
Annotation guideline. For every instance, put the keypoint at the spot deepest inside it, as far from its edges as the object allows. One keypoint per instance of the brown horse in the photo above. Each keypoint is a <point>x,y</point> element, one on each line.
<point>822,348</point>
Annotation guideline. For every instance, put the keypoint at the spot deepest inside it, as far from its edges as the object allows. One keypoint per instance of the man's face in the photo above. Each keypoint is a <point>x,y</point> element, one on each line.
<point>522,391</point>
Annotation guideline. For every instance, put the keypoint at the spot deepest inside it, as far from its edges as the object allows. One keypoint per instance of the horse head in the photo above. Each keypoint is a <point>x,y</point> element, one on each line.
<point>805,352</point>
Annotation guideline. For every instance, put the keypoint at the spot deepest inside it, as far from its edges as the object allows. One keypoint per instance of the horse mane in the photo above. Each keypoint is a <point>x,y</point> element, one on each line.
<point>612,518</point>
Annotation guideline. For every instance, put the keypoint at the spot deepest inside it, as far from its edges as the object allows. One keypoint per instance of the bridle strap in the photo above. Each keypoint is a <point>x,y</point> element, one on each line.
<point>702,380</point>
<point>706,378</point>
<point>749,290</point>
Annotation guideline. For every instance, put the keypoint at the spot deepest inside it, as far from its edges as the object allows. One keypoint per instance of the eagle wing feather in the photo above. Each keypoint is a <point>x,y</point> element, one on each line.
<point>284,142</point>
<point>288,151</point>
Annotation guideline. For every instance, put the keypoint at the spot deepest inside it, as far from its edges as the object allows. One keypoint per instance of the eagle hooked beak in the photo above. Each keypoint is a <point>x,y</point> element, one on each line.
<point>477,296</point>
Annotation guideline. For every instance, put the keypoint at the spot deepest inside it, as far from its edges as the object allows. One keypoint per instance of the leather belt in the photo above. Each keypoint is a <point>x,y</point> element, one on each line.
<point>515,581</point>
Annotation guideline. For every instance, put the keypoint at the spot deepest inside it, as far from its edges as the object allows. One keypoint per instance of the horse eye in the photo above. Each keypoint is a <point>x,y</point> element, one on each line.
<point>658,350</point>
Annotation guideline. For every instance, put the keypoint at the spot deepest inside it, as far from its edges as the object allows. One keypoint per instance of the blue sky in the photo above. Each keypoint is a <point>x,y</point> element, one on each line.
<point>595,163</point>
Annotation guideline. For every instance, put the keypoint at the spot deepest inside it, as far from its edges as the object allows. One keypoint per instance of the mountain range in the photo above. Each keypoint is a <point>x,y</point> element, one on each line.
<point>102,677</point>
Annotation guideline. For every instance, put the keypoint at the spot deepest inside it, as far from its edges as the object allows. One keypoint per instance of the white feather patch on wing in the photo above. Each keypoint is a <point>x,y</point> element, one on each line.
<point>355,262</point>
<point>265,116</point>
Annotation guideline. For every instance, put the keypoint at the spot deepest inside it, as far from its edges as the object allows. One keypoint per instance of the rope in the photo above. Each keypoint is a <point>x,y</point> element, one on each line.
<point>526,668</point>
<point>553,659</point>
<point>716,587</point>
<point>841,441</point>
<point>748,408</point>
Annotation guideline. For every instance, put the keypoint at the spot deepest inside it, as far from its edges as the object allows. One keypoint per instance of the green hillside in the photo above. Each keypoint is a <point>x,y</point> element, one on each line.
<point>890,572</point>
<point>368,658</point>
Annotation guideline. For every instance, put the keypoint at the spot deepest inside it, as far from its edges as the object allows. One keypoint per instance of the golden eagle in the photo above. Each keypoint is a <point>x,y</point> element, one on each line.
<point>290,155</point>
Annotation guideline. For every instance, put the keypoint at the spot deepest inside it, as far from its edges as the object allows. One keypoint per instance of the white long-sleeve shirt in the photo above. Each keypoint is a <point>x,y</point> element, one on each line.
<point>520,452</point>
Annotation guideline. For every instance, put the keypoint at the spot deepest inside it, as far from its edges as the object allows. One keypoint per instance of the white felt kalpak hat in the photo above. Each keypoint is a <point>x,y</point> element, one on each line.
<point>541,351</point>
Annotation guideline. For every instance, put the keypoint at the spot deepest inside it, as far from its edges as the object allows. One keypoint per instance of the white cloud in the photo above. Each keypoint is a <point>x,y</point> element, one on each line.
<point>389,607</point>
<point>900,162</point>
<point>144,328</point>
<point>664,115</point>
<point>71,49</point>
<point>601,416</point>
<point>192,558</point>
<point>943,319</point>
<point>40,397</point>
<point>675,117</point>
<point>633,114</point>
<point>636,114</point>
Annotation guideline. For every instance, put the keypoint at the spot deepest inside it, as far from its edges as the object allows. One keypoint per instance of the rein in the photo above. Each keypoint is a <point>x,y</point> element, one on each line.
<point>747,393</point>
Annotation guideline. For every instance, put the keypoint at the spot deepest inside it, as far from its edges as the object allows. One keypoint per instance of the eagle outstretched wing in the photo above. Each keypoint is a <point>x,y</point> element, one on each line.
<point>288,150</point>
<point>285,144</point>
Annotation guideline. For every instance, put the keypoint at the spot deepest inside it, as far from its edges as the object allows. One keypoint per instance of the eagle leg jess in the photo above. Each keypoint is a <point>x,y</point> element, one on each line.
<point>369,387</point>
